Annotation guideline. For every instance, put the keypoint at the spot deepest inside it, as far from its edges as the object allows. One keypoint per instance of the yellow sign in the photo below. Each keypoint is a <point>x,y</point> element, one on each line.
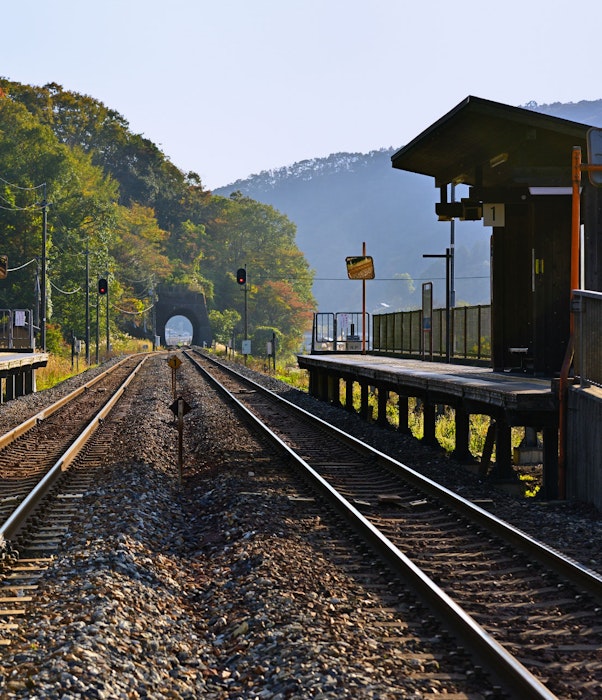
<point>174,362</point>
<point>360,267</point>
<point>3,266</point>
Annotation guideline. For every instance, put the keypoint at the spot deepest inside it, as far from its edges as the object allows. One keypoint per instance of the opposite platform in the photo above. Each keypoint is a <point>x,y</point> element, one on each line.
<point>17,373</point>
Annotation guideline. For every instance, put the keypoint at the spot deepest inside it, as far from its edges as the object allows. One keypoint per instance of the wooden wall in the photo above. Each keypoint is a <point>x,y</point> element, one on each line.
<point>584,438</point>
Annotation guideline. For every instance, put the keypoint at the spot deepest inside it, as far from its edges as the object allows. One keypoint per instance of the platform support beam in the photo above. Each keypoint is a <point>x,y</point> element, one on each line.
<point>430,419</point>
<point>10,387</point>
<point>550,462</point>
<point>333,389</point>
<point>403,414</point>
<point>383,399</point>
<point>462,452</point>
<point>364,408</point>
<point>349,394</point>
<point>503,469</point>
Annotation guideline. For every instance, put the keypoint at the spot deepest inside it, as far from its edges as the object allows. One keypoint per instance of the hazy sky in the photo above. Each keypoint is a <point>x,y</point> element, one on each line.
<point>232,87</point>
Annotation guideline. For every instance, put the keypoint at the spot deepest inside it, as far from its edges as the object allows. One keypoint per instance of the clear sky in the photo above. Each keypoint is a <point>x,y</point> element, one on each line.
<point>231,87</point>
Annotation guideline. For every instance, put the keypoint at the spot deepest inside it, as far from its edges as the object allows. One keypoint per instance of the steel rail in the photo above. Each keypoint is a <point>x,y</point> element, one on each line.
<point>509,671</point>
<point>30,423</point>
<point>15,521</point>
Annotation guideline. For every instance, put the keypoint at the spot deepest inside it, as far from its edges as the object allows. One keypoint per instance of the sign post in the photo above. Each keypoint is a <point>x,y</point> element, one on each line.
<point>174,362</point>
<point>361,267</point>
<point>180,408</point>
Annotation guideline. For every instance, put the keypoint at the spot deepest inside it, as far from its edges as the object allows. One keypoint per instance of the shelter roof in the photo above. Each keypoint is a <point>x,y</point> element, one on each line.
<point>489,144</point>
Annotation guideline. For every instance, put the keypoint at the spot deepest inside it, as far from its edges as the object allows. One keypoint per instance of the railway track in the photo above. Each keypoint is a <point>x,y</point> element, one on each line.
<point>530,615</point>
<point>46,465</point>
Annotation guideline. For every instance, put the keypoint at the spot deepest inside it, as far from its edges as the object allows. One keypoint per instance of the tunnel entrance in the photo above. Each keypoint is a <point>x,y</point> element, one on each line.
<point>178,331</point>
<point>179,302</point>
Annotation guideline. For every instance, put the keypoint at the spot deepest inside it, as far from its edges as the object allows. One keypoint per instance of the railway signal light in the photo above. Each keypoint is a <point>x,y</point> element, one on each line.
<point>241,275</point>
<point>103,286</point>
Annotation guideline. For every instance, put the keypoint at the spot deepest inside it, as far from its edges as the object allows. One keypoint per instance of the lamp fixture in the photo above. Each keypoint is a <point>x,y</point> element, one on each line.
<point>498,160</point>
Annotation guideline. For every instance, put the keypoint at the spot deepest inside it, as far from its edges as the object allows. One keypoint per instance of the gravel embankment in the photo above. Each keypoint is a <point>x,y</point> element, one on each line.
<point>221,589</point>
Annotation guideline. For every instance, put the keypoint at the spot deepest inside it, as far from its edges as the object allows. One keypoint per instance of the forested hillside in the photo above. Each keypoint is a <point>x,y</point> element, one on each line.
<point>346,199</point>
<point>117,206</point>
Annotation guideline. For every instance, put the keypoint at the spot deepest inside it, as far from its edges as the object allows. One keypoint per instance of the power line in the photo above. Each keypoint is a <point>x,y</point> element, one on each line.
<point>62,291</point>
<point>14,269</point>
<point>18,187</point>
<point>132,313</point>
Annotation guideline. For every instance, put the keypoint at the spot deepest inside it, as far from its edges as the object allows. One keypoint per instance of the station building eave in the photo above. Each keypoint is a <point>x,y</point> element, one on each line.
<point>488,144</point>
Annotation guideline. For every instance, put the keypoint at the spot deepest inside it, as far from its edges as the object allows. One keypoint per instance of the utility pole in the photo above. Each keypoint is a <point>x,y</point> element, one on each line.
<point>107,319</point>
<point>43,302</point>
<point>97,330</point>
<point>87,333</point>
<point>246,311</point>
<point>452,251</point>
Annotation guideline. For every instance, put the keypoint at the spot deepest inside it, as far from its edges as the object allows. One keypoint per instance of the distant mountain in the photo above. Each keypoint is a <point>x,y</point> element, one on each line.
<point>346,199</point>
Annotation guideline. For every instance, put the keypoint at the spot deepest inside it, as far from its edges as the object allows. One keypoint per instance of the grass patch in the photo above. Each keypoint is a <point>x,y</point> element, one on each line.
<point>56,371</point>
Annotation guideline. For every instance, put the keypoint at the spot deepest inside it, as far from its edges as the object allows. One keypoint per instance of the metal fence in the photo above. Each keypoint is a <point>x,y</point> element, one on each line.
<point>588,349</point>
<point>339,332</point>
<point>405,333</point>
<point>16,329</point>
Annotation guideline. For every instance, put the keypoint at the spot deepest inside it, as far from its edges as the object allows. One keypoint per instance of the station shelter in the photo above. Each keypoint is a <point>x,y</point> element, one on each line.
<point>517,166</point>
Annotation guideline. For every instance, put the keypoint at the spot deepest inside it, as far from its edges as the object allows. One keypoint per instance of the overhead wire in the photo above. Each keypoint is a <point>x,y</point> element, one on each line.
<point>63,291</point>
<point>20,267</point>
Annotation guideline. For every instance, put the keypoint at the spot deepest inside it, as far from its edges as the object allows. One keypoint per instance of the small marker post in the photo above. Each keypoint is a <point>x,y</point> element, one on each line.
<point>180,408</point>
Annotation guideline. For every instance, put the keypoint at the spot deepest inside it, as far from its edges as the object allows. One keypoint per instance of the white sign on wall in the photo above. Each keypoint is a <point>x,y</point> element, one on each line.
<point>494,215</point>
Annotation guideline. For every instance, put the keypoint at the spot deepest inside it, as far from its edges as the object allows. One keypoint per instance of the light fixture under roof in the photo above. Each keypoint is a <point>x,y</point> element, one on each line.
<point>498,160</point>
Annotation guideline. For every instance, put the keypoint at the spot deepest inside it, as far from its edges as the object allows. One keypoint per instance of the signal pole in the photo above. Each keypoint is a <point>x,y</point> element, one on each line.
<point>107,319</point>
<point>87,333</point>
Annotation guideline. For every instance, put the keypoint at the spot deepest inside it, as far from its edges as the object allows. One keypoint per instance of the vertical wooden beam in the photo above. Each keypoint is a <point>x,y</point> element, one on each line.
<point>332,388</point>
<point>349,394</point>
<point>383,399</point>
<point>503,469</point>
<point>461,451</point>
<point>29,379</point>
<point>551,485</point>
<point>430,418</point>
<point>364,409</point>
<point>10,387</point>
<point>487,449</point>
<point>403,414</point>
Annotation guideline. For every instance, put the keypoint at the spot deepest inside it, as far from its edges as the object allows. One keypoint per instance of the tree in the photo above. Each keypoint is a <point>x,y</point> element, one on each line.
<point>223,324</point>
<point>119,206</point>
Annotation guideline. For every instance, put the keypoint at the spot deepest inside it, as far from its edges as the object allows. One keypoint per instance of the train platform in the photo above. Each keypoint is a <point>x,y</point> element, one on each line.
<point>17,373</point>
<point>509,398</point>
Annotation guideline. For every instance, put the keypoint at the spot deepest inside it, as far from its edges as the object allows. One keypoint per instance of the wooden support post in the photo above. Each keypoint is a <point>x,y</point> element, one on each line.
<point>20,384</point>
<point>383,399</point>
<point>364,410</point>
<point>503,470</point>
<point>323,386</point>
<point>462,452</point>
<point>30,382</point>
<point>487,449</point>
<point>550,486</point>
<point>430,418</point>
<point>349,394</point>
<point>332,387</point>
<point>403,414</point>
<point>10,387</point>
